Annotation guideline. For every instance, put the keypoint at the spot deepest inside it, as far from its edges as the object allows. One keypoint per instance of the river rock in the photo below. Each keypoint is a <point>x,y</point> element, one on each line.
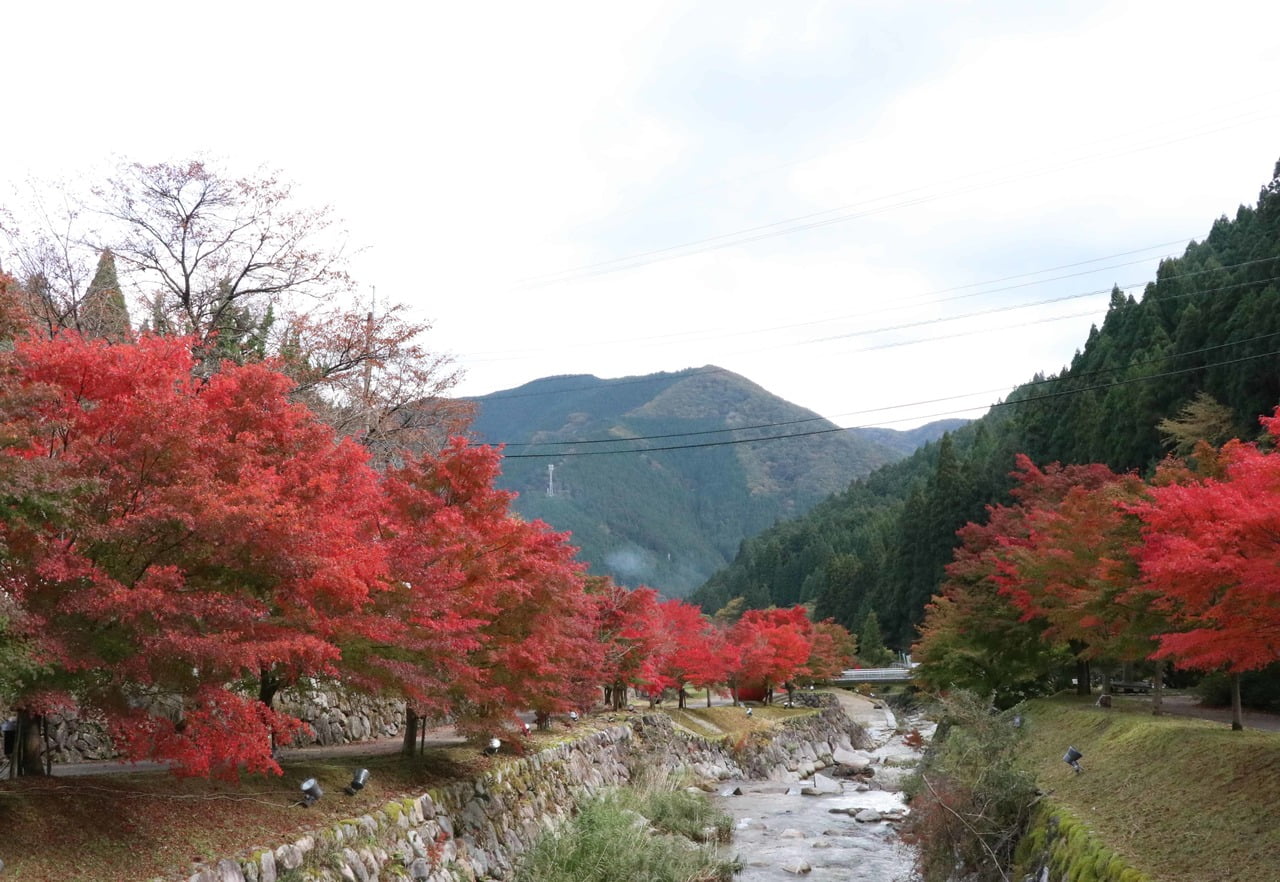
<point>822,785</point>
<point>867,816</point>
<point>854,759</point>
<point>798,868</point>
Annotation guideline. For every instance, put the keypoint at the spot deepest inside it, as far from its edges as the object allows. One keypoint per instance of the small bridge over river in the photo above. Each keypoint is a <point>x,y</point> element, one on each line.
<point>855,676</point>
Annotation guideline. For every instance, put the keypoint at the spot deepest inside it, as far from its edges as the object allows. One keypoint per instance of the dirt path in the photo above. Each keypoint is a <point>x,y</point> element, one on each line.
<point>1189,706</point>
<point>869,713</point>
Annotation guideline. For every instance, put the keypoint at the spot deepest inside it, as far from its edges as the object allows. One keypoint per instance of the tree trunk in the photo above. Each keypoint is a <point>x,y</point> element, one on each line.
<point>268,686</point>
<point>1157,689</point>
<point>28,747</point>
<point>1082,678</point>
<point>708,696</point>
<point>410,731</point>
<point>1106,681</point>
<point>1237,714</point>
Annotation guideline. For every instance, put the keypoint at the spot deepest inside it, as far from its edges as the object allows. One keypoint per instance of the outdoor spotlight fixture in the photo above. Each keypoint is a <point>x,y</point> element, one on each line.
<point>358,780</point>
<point>1072,758</point>
<point>748,711</point>
<point>573,716</point>
<point>311,792</point>
<point>492,747</point>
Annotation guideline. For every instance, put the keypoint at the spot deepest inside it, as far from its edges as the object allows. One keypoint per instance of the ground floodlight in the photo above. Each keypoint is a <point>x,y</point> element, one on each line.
<point>748,711</point>
<point>358,780</point>
<point>1072,758</point>
<point>311,792</point>
<point>493,746</point>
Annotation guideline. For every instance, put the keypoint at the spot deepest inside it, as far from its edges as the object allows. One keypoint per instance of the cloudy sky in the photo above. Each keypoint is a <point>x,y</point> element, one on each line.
<point>883,211</point>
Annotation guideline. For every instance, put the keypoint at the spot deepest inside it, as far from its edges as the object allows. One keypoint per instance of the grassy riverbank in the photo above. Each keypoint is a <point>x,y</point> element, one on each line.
<point>1182,800</point>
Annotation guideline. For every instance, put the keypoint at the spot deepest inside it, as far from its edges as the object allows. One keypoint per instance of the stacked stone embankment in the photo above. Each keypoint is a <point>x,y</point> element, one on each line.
<point>477,829</point>
<point>334,715</point>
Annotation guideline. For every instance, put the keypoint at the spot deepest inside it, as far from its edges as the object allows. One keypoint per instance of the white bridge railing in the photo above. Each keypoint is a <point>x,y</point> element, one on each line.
<point>875,675</point>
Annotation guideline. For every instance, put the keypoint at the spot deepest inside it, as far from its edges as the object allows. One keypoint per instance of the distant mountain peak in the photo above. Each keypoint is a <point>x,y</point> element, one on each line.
<point>698,466</point>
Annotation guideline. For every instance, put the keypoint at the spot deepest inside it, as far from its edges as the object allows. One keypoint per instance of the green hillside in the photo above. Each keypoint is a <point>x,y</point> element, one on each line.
<point>1207,325</point>
<point>668,518</point>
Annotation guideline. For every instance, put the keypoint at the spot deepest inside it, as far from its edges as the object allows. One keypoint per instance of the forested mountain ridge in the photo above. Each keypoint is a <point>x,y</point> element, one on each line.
<point>1207,329</point>
<point>668,518</point>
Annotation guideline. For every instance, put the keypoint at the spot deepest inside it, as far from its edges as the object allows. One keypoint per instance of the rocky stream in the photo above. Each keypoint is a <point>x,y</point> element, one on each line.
<point>839,823</point>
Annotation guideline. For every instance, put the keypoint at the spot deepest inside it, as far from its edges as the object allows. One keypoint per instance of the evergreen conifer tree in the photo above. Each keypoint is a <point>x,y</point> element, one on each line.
<point>102,312</point>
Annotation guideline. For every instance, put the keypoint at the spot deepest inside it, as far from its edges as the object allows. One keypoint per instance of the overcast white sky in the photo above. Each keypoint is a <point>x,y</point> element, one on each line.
<point>813,195</point>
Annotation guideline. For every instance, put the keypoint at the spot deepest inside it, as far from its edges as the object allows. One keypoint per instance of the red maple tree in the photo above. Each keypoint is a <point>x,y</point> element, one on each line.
<point>774,646</point>
<point>217,536</point>
<point>1210,550</point>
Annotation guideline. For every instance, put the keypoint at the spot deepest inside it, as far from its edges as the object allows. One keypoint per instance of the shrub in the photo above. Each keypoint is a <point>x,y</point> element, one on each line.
<point>648,832</point>
<point>970,803</point>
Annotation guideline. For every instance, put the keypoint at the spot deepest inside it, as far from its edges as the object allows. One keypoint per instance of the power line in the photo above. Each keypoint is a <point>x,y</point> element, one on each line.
<point>941,319</point>
<point>891,407</point>
<point>664,376</point>
<point>827,431</point>
<point>801,223</point>
<point>805,420</point>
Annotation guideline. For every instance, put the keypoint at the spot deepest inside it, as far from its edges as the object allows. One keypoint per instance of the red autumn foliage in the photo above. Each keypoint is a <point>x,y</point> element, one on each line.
<point>1210,551</point>
<point>215,531</point>
<point>774,646</point>
<point>1076,569</point>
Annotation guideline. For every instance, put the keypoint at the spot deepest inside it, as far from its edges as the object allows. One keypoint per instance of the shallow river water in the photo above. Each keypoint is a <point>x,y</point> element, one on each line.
<point>779,832</point>
<point>776,835</point>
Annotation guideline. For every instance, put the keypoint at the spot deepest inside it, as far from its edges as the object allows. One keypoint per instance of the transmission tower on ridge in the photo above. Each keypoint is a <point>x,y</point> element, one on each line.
<point>551,479</point>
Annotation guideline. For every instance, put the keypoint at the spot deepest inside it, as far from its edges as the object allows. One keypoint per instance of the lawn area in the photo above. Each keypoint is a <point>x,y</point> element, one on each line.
<point>1183,800</point>
<point>716,722</point>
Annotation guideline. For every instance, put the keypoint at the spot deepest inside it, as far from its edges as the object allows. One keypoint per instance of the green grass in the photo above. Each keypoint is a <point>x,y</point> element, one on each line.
<point>649,832</point>
<point>733,721</point>
<point>1181,800</point>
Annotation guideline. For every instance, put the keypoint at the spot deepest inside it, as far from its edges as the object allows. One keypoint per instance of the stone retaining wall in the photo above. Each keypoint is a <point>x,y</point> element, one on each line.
<point>475,830</point>
<point>335,716</point>
<point>1059,848</point>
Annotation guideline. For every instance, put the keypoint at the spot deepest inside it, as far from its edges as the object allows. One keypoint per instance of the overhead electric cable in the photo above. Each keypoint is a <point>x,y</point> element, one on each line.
<point>866,332</point>
<point>782,423</point>
<point>827,431</point>
<point>809,221</point>
<point>883,309</point>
